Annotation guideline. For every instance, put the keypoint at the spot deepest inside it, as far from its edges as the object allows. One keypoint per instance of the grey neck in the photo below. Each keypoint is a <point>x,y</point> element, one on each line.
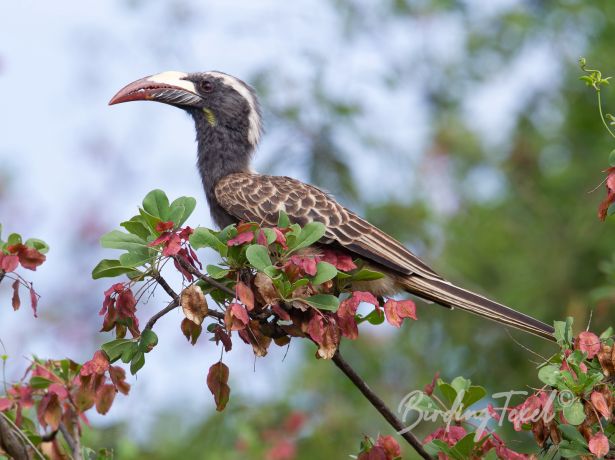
<point>221,151</point>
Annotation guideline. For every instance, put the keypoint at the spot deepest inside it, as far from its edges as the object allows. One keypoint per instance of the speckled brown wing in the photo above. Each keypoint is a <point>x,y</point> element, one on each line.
<point>259,198</point>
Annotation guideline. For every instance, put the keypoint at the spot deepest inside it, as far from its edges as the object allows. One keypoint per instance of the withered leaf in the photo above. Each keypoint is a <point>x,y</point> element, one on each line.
<point>194,304</point>
<point>217,382</point>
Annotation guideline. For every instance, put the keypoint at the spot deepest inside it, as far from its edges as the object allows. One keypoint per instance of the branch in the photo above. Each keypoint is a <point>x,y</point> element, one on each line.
<point>175,302</point>
<point>379,404</point>
<point>193,271</point>
<point>73,440</point>
<point>10,442</point>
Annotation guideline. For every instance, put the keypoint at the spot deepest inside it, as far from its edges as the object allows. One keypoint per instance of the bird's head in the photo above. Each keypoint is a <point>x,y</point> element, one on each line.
<point>217,101</point>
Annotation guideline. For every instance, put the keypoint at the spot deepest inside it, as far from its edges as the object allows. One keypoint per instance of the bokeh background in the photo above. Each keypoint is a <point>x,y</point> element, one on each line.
<point>459,126</point>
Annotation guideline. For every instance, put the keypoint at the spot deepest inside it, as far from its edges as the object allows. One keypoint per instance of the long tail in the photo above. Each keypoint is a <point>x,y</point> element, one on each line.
<point>451,296</point>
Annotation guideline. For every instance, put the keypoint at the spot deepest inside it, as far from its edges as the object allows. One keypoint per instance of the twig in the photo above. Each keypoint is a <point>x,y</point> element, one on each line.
<point>379,404</point>
<point>13,430</point>
<point>172,306</point>
<point>72,441</point>
<point>2,273</point>
<point>193,271</point>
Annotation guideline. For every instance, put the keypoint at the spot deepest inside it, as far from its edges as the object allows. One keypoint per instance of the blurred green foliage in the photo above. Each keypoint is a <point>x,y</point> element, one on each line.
<point>532,240</point>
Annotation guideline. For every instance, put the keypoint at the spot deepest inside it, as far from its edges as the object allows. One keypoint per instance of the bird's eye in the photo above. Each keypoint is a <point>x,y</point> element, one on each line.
<point>206,86</point>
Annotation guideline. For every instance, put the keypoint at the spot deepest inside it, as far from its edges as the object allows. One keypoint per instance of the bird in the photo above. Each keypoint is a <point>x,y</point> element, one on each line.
<point>228,122</point>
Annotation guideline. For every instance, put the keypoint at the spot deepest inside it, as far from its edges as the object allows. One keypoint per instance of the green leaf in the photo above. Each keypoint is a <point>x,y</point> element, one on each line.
<point>37,244</point>
<point>115,348</point>
<point>14,238</point>
<point>258,256</point>
<point>137,226</point>
<point>175,214</point>
<point>283,220</point>
<point>205,238</point>
<point>324,272</point>
<point>574,413</point>
<point>148,340</point>
<point>271,271</point>
<point>367,275</point>
<point>572,433</point>
<point>137,258</point>
<point>464,446</point>
<point>473,394</point>
<point>138,360</point>
<point>117,239</point>
<point>323,302</point>
<point>129,352</point>
<point>39,382</point>
<point>110,268</point>
<point>460,383</point>
<point>606,334</point>
<point>376,317</point>
<point>612,158</point>
<point>270,235</point>
<point>549,374</point>
<point>149,220</point>
<point>216,272</point>
<point>563,331</point>
<point>188,204</point>
<point>447,391</point>
<point>156,204</point>
<point>310,234</point>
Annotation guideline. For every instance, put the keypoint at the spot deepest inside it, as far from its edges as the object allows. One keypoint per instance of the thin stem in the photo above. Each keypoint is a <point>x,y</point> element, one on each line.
<point>72,440</point>
<point>606,125</point>
<point>205,278</point>
<point>379,404</point>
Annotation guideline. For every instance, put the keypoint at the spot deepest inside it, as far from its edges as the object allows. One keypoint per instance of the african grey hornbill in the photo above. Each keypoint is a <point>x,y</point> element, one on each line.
<point>228,128</point>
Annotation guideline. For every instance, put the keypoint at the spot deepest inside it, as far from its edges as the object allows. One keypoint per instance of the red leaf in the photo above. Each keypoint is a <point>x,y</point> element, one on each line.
<point>599,402</point>
<point>589,343</point>
<point>172,246</point>
<point>245,295</point>
<point>97,365</point>
<point>396,311</point>
<point>242,238</point>
<point>29,258</point>
<point>15,300</point>
<point>262,238</point>
<point>5,403</point>
<point>280,238</point>
<point>33,299</point>
<point>164,226</point>
<point>307,264</point>
<point>315,328</point>
<point>217,382</point>
<point>59,390</point>
<point>390,446</point>
<point>185,233</point>
<point>599,445</point>
<point>236,317</point>
<point>280,312</point>
<point>220,335</point>
<point>118,377</point>
<point>339,260</point>
<point>610,194</point>
<point>104,398</point>
<point>8,263</point>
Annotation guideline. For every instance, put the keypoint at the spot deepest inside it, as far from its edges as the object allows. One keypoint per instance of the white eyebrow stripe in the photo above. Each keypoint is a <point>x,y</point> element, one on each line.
<point>254,119</point>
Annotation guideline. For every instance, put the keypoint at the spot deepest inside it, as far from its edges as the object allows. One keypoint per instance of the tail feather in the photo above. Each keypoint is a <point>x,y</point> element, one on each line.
<point>449,295</point>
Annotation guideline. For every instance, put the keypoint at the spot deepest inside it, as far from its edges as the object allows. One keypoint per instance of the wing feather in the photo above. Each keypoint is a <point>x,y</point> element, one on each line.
<point>259,198</point>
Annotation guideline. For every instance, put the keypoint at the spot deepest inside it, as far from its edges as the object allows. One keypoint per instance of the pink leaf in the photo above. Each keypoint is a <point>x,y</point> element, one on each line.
<point>8,263</point>
<point>589,343</point>
<point>242,238</point>
<point>599,445</point>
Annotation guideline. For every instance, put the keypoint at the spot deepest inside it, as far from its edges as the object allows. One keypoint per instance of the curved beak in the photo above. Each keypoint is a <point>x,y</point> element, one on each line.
<point>167,87</point>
